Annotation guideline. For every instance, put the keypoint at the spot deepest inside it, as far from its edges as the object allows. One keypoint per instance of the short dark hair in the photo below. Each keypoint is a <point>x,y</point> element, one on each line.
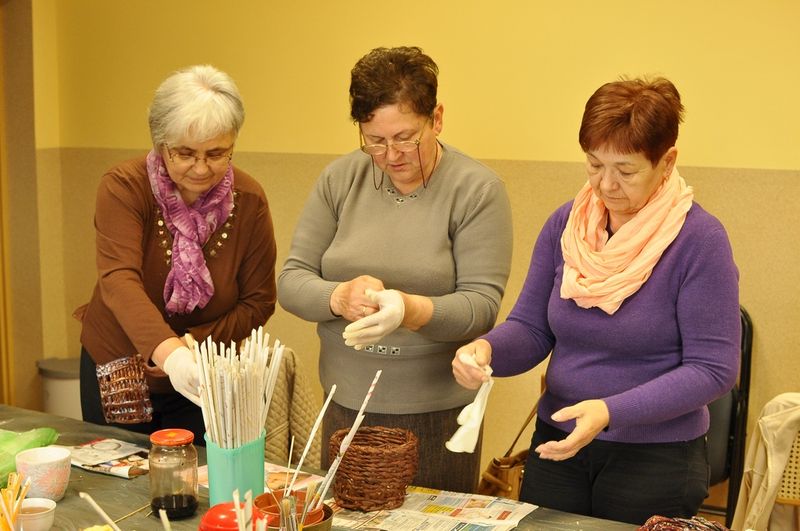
<point>386,76</point>
<point>633,116</point>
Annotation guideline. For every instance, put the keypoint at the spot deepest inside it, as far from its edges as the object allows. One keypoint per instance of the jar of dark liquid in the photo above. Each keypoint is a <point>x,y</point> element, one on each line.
<point>173,473</point>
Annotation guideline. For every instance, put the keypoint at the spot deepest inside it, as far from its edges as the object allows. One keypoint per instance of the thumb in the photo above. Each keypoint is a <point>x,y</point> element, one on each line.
<point>372,295</point>
<point>564,414</point>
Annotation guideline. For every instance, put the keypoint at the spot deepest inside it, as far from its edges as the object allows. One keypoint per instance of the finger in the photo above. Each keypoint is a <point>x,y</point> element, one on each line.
<point>468,359</point>
<point>364,322</point>
<point>564,414</point>
<point>362,335</point>
<point>367,339</point>
<point>468,377</point>
<point>556,450</point>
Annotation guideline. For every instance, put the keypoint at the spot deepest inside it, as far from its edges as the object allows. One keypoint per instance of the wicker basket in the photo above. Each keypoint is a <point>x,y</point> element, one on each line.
<point>376,469</point>
<point>124,394</point>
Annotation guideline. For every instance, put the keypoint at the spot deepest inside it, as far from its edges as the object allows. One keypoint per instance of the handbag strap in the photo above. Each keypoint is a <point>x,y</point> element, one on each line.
<point>525,424</point>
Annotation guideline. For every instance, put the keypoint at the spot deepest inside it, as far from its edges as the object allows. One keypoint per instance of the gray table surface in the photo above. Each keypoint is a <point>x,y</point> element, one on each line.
<point>119,497</point>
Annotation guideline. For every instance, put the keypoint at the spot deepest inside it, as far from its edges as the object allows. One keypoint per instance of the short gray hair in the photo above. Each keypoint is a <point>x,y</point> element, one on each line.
<point>199,102</point>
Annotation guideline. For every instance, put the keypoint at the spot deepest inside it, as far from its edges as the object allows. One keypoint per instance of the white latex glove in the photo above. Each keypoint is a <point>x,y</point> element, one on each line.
<point>370,329</point>
<point>184,374</point>
<point>469,420</point>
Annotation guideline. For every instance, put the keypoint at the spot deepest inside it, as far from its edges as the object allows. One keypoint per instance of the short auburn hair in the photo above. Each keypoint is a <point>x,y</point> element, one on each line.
<point>633,116</point>
<point>387,76</point>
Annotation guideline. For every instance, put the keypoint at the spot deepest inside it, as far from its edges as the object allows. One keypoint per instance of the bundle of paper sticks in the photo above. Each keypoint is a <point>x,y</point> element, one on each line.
<point>11,498</point>
<point>236,390</point>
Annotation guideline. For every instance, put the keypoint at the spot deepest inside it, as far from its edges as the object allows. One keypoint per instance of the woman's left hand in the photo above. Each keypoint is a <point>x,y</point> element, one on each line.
<point>372,328</point>
<point>591,416</point>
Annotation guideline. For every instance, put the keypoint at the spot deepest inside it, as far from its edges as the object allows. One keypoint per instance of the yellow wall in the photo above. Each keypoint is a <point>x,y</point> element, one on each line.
<point>514,78</point>
<point>514,74</point>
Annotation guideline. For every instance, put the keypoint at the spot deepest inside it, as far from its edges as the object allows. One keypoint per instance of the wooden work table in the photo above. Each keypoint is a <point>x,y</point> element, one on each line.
<point>119,497</point>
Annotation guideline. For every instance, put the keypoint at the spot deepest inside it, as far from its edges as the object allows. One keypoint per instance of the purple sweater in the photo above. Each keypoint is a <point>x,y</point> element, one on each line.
<point>670,349</point>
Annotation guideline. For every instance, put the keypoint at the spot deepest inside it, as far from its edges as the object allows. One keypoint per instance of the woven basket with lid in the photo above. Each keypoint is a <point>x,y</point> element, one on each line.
<point>376,469</point>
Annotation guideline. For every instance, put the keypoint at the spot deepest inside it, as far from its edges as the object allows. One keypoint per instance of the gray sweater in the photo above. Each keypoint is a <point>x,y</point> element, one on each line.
<point>450,241</point>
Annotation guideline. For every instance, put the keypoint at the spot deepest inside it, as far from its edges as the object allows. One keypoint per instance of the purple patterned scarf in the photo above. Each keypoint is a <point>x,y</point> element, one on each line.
<point>189,283</point>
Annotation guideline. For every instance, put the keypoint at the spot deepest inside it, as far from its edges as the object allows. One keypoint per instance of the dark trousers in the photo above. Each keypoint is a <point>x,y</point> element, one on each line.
<point>439,468</point>
<point>170,410</point>
<point>619,481</point>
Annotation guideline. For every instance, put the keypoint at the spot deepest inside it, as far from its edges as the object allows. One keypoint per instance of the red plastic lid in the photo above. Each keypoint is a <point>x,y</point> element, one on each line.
<point>222,517</point>
<point>171,437</point>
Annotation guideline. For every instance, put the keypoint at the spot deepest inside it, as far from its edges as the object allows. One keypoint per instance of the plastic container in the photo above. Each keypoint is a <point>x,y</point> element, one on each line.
<point>173,473</point>
<point>239,468</point>
<point>222,517</point>
<point>61,386</point>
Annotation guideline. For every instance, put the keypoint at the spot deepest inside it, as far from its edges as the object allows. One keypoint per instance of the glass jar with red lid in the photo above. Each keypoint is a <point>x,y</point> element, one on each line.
<point>173,473</point>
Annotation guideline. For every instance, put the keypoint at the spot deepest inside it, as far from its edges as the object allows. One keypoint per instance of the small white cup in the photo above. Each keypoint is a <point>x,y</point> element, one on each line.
<point>48,469</point>
<point>37,514</point>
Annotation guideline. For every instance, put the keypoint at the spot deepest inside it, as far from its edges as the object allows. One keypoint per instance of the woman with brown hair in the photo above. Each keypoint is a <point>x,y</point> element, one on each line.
<point>401,255</point>
<point>633,289</point>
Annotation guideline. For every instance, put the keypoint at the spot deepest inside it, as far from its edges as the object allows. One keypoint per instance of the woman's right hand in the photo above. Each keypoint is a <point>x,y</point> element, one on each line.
<point>349,299</point>
<point>184,373</point>
<point>469,362</point>
<point>176,360</point>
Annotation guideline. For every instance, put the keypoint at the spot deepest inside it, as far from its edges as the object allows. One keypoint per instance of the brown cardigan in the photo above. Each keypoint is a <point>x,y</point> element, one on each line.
<point>126,313</point>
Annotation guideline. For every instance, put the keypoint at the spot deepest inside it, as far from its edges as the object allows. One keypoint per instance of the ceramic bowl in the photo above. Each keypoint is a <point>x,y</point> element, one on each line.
<point>48,469</point>
<point>37,514</point>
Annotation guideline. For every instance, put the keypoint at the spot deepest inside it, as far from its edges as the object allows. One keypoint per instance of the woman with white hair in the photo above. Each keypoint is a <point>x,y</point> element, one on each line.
<point>185,249</point>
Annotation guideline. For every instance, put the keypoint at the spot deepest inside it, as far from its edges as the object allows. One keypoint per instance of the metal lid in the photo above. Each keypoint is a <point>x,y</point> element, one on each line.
<point>171,437</point>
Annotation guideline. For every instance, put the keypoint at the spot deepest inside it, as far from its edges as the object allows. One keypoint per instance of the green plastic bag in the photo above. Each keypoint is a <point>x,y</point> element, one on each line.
<point>11,443</point>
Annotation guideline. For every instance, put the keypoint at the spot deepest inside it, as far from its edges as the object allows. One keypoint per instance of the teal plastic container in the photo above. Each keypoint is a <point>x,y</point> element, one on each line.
<point>235,468</point>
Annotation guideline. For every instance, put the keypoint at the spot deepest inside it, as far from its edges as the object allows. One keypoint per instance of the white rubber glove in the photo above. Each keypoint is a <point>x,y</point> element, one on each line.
<point>469,420</point>
<point>370,329</point>
<point>184,374</point>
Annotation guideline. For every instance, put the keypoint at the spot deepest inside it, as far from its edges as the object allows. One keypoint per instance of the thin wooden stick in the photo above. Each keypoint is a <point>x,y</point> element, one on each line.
<point>142,508</point>
<point>20,498</point>
<point>164,520</point>
<point>6,512</point>
<point>313,433</point>
<point>99,511</point>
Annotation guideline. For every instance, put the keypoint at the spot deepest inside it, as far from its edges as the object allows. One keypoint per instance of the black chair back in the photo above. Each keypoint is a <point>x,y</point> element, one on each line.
<point>727,432</point>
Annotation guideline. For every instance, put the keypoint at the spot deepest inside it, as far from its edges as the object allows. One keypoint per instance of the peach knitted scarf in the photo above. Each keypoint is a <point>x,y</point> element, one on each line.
<point>603,273</point>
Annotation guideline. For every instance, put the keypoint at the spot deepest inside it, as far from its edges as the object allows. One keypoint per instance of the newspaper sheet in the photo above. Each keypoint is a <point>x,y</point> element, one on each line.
<point>110,456</point>
<point>437,510</point>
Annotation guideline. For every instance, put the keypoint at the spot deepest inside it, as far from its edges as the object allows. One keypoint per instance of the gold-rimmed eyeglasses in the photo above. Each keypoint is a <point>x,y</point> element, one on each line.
<point>187,158</point>
<point>404,146</point>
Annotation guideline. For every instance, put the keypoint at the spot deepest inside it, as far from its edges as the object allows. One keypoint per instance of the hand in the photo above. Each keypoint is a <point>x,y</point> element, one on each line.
<point>184,374</point>
<point>470,362</point>
<point>591,417</point>
<point>370,329</point>
<point>188,340</point>
<point>349,299</point>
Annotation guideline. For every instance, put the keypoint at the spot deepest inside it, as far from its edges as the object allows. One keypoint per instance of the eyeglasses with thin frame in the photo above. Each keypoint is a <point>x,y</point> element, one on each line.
<point>187,159</point>
<point>404,146</point>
